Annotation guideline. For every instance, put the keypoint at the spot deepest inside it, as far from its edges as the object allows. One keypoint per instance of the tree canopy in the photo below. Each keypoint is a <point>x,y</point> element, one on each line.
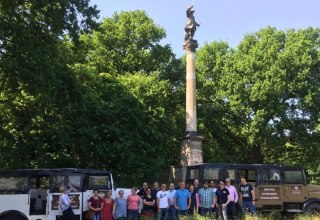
<point>263,98</point>
<point>75,92</point>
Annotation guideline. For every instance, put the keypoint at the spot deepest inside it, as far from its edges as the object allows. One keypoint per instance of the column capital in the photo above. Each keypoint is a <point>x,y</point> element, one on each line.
<point>190,45</point>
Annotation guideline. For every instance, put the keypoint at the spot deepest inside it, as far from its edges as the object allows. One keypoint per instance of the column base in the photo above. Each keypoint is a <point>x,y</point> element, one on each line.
<point>191,151</point>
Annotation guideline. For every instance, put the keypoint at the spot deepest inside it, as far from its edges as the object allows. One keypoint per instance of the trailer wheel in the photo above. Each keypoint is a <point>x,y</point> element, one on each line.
<point>313,208</point>
<point>11,216</point>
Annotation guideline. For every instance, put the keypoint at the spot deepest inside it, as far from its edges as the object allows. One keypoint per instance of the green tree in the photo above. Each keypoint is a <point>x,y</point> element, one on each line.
<point>37,86</point>
<point>128,42</point>
<point>131,98</point>
<point>268,89</point>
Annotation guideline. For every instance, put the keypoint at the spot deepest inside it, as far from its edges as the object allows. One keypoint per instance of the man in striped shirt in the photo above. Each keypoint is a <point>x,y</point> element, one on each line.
<point>207,199</point>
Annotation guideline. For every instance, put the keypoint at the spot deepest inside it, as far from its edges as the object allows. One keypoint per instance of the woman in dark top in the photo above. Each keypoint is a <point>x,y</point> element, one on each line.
<point>148,205</point>
<point>194,200</point>
<point>94,204</point>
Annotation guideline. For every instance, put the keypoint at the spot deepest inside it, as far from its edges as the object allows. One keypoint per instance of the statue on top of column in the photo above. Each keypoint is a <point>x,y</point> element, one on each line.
<point>191,25</point>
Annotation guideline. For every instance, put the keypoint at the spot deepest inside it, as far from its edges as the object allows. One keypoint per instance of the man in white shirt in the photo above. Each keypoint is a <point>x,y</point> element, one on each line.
<point>163,201</point>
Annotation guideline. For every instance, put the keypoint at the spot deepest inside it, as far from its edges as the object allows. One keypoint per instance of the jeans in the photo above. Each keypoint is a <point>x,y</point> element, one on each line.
<point>132,214</point>
<point>232,212</point>
<point>96,217</point>
<point>223,212</point>
<point>204,211</point>
<point>248,205</point>
<point>216,211</point>
<point>172,214</point>
<point>162,214</point>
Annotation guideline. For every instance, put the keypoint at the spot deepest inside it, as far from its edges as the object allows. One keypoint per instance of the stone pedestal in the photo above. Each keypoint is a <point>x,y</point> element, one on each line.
<point>191,152</point>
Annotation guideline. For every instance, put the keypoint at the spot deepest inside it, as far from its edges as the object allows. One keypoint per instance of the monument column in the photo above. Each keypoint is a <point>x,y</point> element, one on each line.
<point>191,144</point>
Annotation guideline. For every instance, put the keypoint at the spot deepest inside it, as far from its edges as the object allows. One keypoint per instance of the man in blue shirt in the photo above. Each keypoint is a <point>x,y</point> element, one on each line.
<point>182,199</point>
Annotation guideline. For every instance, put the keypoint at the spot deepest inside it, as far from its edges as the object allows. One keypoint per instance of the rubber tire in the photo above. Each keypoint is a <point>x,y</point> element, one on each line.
<point>313,208</point>
<point>11,216</point>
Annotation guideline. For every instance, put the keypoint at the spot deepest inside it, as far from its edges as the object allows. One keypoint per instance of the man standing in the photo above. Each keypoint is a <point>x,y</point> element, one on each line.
<point>172,209</point>
<point>196,185</point>
<point>163,202</point>
<point>155,189</point>
<point>213,187</point>
<point>233,199</point>
<point>247,197</point>
<point>182,199</point>
<point>154,192</point>
<point>207,199</point>
<point>223,199</point>
<point>143,191</point>
<point>178,185</point>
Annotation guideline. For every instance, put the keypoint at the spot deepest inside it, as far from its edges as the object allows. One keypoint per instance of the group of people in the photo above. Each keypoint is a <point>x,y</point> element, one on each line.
<point>162,203</point>
<point>221,200</point>
<point>210,199</point>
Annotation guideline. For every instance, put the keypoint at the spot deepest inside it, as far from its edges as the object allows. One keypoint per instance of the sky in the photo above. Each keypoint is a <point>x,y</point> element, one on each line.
<point>220,20</point>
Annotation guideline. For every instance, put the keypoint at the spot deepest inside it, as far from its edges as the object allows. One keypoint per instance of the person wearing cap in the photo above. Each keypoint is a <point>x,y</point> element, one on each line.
<point>207,199</point>
<point>233,199</point>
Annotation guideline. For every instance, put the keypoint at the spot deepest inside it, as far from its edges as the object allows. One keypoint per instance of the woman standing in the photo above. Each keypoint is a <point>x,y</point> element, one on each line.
<point>194,200</point>
<point>65,204</point>
<point>148,205</point>
<point>120,207</point>
<point>107,207</point>
<point>133,203</point>
<point>95,205</point>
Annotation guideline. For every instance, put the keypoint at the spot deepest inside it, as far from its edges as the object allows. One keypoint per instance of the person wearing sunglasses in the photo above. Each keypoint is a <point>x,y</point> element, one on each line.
<point>223,199</point>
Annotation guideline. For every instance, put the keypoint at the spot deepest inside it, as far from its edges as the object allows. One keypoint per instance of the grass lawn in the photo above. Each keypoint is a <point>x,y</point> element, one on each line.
<point>271,216</point>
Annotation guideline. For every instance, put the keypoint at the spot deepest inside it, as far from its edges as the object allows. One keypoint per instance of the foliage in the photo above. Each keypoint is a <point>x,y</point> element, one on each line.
<point>110,96</point>
<point>263,96</point>
<point>75,98</point>
<point>37,86</point>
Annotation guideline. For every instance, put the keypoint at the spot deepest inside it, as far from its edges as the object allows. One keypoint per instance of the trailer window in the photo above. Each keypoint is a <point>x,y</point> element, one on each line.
<point>99,182</point>
<point>250,175</point>
<point>75,182</point>
<point>270,176</point>
<point>293,176</point>
<point>211,174</point>
<point>57,182</point>
<point>193,174</point>
<point>13,184</point>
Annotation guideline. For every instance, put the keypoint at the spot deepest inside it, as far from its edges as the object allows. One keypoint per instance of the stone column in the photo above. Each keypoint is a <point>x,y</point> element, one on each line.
<point>191,108</point>
<point>191,144</point>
